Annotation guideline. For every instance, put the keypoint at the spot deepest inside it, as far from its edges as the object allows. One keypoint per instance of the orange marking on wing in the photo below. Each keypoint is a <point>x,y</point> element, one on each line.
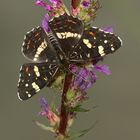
<point>92,33</point>
<point>37,34</point>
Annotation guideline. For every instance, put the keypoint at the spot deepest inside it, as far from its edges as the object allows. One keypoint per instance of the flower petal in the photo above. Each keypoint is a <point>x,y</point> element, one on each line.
<point>86,4</point>
<point>108,29</point>
<point>103,68</point>
<point>55,1</point>
<point>45,23</point>
<point>44,4</point>
<point>44,104</point>
<point>84,79</point>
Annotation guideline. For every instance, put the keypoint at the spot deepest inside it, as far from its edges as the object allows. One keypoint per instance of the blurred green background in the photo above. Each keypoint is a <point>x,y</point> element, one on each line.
<point>118,95</point>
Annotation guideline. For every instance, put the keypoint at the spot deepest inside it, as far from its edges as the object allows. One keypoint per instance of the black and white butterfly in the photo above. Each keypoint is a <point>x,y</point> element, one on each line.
<point>67,43</point>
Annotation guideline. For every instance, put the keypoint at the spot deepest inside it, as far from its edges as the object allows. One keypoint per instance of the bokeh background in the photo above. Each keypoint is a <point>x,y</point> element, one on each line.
<point>118,95</point>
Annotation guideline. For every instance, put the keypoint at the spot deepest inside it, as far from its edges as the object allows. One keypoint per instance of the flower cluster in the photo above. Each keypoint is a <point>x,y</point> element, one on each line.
<point>83,79</point>
<point>47,112</point>
<point>54,7</point>
<point>86,76</point>
<point>85,9</point>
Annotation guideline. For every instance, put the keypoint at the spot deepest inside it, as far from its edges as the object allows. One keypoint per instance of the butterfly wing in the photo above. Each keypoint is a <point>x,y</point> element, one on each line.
<point>37,47</point>
<point>67,30</point>
<point>34,76</point>
<point>94,44</point>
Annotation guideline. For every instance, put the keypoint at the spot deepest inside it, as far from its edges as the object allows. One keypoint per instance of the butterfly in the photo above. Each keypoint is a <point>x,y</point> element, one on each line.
<point>51,53</point>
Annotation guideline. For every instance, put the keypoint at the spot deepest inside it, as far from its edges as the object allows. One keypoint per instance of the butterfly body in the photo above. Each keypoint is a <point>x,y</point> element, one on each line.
<point>68,42</point>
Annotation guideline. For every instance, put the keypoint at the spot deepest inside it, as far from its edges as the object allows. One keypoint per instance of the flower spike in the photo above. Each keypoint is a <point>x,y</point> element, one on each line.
<point>66,50</point>
<point>54,8</point>
<point>85,9</point>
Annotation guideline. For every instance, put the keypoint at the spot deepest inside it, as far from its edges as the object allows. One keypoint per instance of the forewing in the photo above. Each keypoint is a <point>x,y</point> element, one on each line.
<point>34,76</point>
<point>68,31</point>
<point>95,44</point>
<point>37,47</point>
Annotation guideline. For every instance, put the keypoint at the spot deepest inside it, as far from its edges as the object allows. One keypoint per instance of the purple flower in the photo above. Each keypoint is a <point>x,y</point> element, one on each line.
<point>55,1</point>
<point>44,4</point>
<point>103,68</point>
<point>86,3</point>
<point>108,29</point>
<point>46,112</point>
<point>45,23</point>
<point>73,68</point>
<point>84,78</point>
<point>44,104</point>
<point>86,81</point>
<point>55,7</point>
<point>40,3</point>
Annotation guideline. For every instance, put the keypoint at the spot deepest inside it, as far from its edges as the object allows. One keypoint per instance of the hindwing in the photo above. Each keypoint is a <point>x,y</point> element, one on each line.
<point>34,76</point>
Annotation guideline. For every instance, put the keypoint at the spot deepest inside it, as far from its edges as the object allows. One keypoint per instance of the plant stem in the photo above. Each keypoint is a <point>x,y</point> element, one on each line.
<point>64,112</point>
<point>75,3</point>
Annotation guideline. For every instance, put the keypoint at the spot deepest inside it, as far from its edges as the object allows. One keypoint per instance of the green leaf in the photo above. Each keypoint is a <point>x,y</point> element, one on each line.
<point>78,108</point>
<point>44,127</point>
<point>83,132</point>
<point>54,108</point>
<point>70,95</point>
